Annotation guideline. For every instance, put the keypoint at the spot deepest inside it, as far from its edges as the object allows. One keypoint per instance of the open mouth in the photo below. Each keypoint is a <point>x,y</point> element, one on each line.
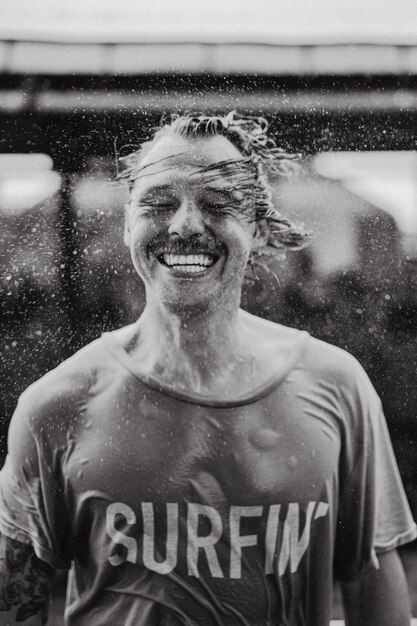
<point>188,263</point>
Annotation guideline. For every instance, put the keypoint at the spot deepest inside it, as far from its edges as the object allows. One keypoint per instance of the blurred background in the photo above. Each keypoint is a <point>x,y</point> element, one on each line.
<point>84,80</point>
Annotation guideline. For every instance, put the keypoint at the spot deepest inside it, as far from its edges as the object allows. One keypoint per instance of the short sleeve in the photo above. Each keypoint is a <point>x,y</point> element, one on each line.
<point>394,523</point>
<point>31,500</point>
<point>374,515</point>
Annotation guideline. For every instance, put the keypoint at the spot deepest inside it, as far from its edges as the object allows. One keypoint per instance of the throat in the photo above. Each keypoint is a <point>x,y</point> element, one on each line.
<point>195,355</point>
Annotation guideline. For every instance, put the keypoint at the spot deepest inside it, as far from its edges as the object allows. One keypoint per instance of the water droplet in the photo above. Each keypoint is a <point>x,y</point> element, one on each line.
<point>88,424</point>
<point>292,462</point>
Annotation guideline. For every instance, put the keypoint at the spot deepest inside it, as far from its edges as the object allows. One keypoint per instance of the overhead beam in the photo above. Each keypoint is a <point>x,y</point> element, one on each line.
<point>37,57</point>
<point>156,101</point>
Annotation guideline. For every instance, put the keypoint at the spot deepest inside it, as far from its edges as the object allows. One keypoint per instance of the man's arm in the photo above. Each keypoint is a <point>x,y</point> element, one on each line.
<point>381,598</point>
<point>25,584</point>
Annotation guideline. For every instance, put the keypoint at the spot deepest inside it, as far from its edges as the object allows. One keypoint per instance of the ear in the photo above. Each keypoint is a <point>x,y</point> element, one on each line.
<point>126,230</point>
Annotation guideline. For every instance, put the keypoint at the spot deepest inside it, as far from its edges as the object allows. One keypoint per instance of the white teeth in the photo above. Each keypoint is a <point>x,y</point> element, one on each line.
<point>193,262</point>
<point>191,269</point>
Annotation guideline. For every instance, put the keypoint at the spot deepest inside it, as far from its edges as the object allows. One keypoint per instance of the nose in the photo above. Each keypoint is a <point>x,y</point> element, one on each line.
<point>187,221</point>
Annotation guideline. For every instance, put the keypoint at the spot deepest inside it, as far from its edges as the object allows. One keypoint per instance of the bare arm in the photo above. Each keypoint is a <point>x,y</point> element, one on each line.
<point>25,584</point>
<point>380,599</point>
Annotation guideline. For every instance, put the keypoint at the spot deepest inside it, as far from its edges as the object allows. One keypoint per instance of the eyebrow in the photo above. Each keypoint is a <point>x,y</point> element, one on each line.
<point>155,189</point>
<point>170,187</point>
<point>217,189</point>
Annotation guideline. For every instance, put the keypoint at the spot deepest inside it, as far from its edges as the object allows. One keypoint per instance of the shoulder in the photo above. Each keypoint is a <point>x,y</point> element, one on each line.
<point>336,364</point>
<point>323,364</point>
<point>263,328</point>
<point>338,373</point>
<point>317,358</point>
<point>327,359</point>
<point>69,380</point>
<point>51,401</point>
<point>271,339</point>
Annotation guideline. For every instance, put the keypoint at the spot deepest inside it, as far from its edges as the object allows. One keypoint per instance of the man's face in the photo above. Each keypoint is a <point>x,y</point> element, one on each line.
<point>190,221</point>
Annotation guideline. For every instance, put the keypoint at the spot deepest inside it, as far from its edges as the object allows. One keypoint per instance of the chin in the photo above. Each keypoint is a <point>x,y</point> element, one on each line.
<point>188,306</point>
<point>193,301</point>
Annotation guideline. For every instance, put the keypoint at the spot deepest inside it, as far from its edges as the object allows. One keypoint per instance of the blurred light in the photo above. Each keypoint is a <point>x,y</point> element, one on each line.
<point>24,163</point>
<point>342,165</point>
<point>92,194</point>
<point>272,101</point>
<point>21,193</point>
<point>396,196</point>
<point>25,180</point>
<point>387,180</point>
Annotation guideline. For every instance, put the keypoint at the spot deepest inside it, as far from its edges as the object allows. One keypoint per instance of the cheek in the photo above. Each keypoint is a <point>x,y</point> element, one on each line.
<point>139,238</point>
<point>241,243</point>
<point>141,232</point>
<point>242,228</point>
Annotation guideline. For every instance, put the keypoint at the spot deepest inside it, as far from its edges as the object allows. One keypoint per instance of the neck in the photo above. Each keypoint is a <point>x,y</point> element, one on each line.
<point>189,349</point>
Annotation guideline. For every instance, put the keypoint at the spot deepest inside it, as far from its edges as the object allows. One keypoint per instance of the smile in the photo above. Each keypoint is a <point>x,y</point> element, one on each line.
<point>188,263</point>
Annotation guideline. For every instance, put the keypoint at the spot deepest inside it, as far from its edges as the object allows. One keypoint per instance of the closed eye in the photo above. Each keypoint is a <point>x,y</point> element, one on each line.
<point>217,208</point>
<point>162,197</point>
<point>149,204</point>
<point>221,199</point>
<point>159,205</point>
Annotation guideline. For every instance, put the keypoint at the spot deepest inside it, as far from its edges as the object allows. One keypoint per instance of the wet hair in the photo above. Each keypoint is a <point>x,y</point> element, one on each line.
<point>261,157</point>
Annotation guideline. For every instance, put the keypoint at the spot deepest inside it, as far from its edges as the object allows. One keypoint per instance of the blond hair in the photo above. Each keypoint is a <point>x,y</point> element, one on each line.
<point>260,152</point>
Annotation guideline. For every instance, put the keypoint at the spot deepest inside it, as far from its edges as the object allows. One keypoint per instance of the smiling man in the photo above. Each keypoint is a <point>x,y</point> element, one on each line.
<point>203,466</point>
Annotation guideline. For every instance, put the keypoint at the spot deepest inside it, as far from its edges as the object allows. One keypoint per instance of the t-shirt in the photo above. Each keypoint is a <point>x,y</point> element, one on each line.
<point>175,509</point>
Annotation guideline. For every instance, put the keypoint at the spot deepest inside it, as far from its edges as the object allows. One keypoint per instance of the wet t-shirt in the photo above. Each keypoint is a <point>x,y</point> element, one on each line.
<point>178,509</point>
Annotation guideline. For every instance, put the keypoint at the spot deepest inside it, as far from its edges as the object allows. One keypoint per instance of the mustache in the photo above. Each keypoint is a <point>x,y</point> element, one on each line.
<point>192,245</point>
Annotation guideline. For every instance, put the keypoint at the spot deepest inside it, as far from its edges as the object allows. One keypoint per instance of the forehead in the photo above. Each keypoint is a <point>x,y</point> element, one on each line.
<point>174,157</point>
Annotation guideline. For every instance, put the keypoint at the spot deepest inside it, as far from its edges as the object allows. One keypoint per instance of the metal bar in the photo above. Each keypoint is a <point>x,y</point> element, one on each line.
<point>311,102</point>
<point>69,265</point>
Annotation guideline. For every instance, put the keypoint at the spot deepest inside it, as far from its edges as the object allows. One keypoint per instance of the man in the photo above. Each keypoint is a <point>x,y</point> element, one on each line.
<point>203,466</point>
